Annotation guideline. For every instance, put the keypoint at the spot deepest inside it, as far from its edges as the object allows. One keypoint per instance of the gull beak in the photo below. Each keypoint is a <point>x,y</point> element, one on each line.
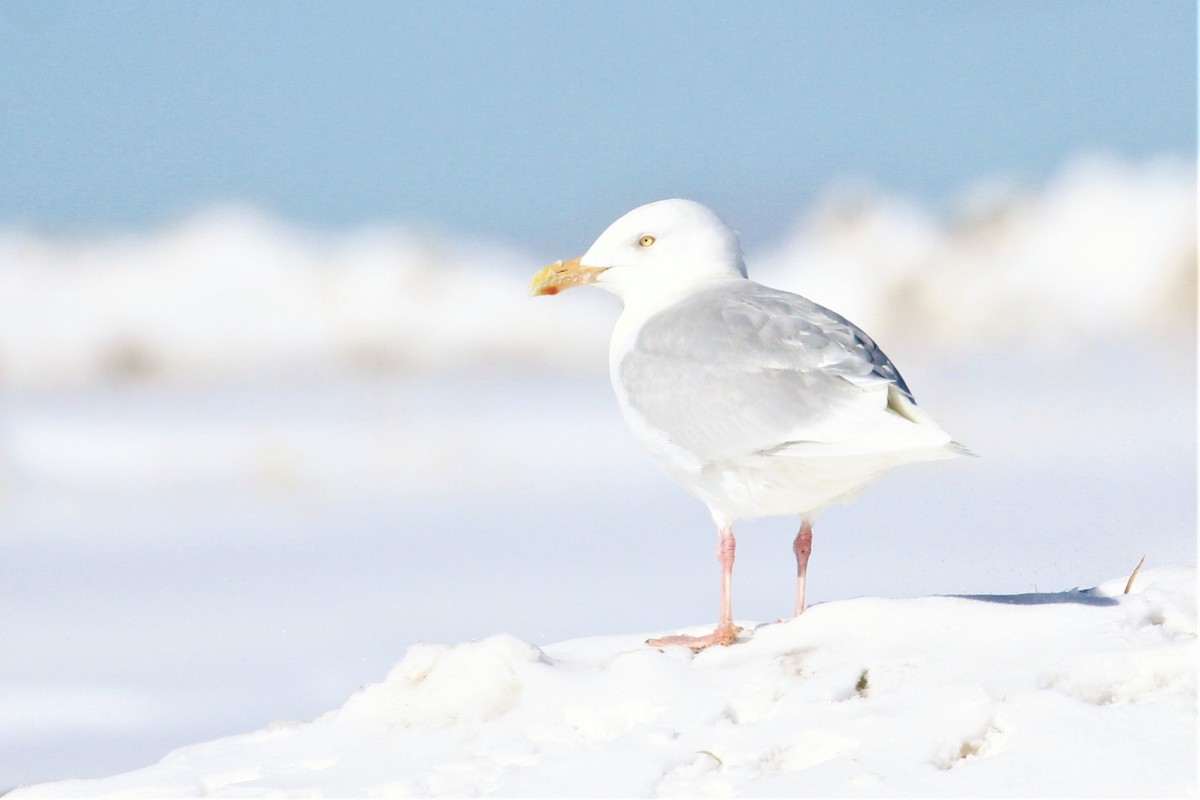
<point>563,275</point>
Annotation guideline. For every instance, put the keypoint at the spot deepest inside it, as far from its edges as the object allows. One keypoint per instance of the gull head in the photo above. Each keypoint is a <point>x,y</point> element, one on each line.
<point>656,252</point>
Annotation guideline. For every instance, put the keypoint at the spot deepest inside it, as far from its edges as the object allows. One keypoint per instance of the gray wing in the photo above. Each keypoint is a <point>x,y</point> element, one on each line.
<point>740,368</point>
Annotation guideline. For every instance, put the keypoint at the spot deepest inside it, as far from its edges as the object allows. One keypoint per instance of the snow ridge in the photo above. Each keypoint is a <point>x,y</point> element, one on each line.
<point>232,292</point>
<point>1075,693</point>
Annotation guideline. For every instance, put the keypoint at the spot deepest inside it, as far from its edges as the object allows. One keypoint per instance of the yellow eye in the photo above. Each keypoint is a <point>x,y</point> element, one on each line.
<point>646,241</point>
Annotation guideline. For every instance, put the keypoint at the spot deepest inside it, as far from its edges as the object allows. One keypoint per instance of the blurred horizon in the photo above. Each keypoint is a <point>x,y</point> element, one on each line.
<point>235,291</point>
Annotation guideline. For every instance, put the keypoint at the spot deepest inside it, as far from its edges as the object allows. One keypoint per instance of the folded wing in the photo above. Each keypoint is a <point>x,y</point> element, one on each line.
<point>739,369</point>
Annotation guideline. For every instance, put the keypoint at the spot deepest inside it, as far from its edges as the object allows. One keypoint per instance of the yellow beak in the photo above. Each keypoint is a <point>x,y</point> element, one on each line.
<point>563,275</point>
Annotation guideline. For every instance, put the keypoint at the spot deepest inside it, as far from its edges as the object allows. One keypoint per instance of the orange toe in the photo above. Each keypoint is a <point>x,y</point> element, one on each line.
<point>724,635</point>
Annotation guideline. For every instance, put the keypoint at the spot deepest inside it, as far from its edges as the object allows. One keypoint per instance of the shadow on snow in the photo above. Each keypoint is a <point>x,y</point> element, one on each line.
<point>1077,596</point>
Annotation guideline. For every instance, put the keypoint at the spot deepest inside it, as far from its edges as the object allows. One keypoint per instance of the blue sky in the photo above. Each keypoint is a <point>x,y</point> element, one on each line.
<point>537,123</point>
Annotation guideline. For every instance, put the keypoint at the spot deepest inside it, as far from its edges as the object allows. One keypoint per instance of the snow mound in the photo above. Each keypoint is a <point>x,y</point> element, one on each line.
<point>1075,693</point>
<point>439,686</point>
<point>1106,250</point>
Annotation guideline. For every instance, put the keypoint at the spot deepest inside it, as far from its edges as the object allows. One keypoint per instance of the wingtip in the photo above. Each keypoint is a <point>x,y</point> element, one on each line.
<point>962,450</point>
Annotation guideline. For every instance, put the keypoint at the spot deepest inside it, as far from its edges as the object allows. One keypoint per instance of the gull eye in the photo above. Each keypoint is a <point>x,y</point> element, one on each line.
<point>646,241</point>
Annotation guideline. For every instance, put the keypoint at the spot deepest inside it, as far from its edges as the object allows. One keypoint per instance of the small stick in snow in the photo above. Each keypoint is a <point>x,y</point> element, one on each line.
<point>1129,584</point>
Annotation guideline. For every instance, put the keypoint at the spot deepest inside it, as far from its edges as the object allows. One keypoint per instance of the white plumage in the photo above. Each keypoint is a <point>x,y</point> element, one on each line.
<point>759,402</point>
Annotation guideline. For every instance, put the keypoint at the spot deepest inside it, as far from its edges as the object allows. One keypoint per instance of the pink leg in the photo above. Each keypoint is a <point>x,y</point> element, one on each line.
<point>802,547</point>
<point>726,632</point>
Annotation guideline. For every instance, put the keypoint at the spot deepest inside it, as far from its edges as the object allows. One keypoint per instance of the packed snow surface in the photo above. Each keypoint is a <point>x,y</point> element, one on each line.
<point>1075,693</point>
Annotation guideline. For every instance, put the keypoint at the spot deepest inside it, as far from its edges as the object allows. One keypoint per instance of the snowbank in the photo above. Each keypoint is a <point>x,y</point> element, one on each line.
<point>1106,250</point>
<point>1077,693</point>
<point>234,293</point>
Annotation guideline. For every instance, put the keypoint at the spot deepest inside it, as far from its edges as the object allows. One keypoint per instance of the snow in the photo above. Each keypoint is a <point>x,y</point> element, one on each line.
<point>212,518</point>
<point>1107,247</point>
<point>1074,693</point>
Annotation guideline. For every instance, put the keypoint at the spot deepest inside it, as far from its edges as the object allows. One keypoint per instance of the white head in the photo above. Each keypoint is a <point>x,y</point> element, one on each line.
<point>655,252</point>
